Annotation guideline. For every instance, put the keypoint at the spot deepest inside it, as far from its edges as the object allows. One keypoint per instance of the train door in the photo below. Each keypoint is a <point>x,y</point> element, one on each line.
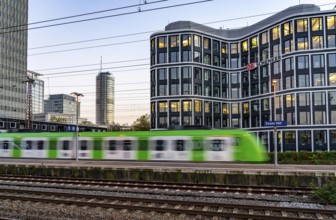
<point>65,148</point>
<point>161,148</point>
<point>6,146</point>
<point>35,147</point>
<point>181,148</point>
<point>120,148</point>
<point>85,147</point>
<point>219,149</point>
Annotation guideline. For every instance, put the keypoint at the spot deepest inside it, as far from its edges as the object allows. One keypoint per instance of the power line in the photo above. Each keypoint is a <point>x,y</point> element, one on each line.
<point>109,16</point>
<point>81,15</point>
<point>95,85</point>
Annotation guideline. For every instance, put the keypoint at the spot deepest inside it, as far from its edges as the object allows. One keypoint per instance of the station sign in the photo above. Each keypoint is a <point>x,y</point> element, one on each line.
<point>275,123</point>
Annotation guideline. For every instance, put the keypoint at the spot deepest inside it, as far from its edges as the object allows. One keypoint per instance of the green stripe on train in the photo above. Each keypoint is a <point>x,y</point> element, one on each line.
<point>197,149</point>
<point>17,148</point>
<point>143,153</point>
<point>53,152</point>
<point>98,153</point>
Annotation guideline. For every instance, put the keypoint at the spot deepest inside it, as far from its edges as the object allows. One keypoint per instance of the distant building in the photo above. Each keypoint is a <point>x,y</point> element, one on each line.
<point>61,103</point>
<point>37,92</point>
<point>13,58</point>
<point>104,98</point>
<point>58,118</point>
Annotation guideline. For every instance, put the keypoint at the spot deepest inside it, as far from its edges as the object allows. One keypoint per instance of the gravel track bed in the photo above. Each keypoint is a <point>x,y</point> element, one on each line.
<point>28,210</point>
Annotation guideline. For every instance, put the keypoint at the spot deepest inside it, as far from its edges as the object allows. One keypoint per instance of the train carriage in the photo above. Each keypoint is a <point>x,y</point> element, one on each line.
<point>171,145</point>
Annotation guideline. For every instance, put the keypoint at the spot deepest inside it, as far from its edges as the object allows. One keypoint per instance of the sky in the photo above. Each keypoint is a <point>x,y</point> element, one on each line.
<point>69,56</point>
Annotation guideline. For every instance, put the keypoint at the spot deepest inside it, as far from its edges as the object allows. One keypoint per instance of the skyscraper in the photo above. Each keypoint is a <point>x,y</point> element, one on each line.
<point>13,58</point>
<point>104,98</point>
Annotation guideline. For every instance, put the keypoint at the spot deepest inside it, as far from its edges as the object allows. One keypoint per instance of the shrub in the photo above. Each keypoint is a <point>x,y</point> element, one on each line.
<point>326,194</point>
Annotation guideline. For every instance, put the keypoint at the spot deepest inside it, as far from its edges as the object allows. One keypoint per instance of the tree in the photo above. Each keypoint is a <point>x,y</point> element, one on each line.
<point>114,127</point>
<point>142,123</point>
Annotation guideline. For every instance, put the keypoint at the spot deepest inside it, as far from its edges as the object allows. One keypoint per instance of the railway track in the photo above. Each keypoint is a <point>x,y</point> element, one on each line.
<point>190,208</point>
<point>162,186</point>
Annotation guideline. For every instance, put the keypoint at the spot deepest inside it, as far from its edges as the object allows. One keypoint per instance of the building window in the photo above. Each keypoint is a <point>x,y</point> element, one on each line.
<point>206,43</point>
<point>275,33</point>
<point>318,61</point>
<point>331,40</point>
<point>215,46</point>
<point>162,42</point>
<point>301,25</point>
<point>319,117</point>
<point>264,38</point>
<point>332,79</point>
<point>254,42</point>
<point>12,125</point>
<point>174,41</point>
<point>304,99</point>
<point>186,88</point>
<point>234,93</point>
<point>276,50</point>
<point>319,98</point>
<point>289,82</point>
<point>175,120</point>
<point>288,46</point>
<point>197,56</point>
<point>197,41</point>
<point>224,48</point>
<point>174,73</point>
<point>162,74</point>
<point>162,122</point>
<point>207,59</point>
<point>287,28</point>
<point>289,64</point>
<point>331,22</point>
<point>207,107</point>
<point>186,40</point>
<point>234,62</point>
<point>198,106</point>
<point>163,107</point>
<point>175,106</point>
<point>244,46</point>
<point>174,57</point>
<point>318,79</point>
<point>304,118</point>
<point>174,89</point>
<point>186,72</point>
<point>162,58</point>
<point>186,106</point>
<point>235,108</point>
<point>303,80</point>
<point>234,48</point>
<point>302,62</point>
<point>153,44</point>
<point>264,54</point>
<point>332,60</point>
<point>317,42</point>
<point>216,60</point>
<point>186,56</point>
<point>162,90</point>
<point>302,43</point>
<point>234,78</point>
<point>316,24</point>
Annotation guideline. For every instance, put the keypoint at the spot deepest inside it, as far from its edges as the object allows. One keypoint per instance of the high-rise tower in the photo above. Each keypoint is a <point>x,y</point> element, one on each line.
<point>104,98</point>
<point>13,58</point>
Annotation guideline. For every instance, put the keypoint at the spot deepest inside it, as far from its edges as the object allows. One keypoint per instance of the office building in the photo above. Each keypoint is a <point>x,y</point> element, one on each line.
<point>37,92</point>
<point>223,78</point>
<point>61,103</point>
<point>104,98</point>
<point>13,58</point>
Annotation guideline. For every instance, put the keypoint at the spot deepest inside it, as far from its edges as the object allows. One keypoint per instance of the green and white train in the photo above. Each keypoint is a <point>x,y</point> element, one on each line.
<point>170,145</point>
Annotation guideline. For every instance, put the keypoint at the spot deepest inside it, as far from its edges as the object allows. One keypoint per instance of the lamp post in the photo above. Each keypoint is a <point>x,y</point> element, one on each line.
<point>274,83</point>
<point>76,142</point>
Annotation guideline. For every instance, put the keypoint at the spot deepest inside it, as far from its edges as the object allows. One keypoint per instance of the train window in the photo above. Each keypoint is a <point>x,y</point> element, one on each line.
<point>159,145</point>
<point>5,145</point>
<point>66,145</point>
<point>112,145</point>
<point>40,145</point>
<point>179,145</point>
<point>216,145</point>
<point>127,145</point>
<point>83,145</point>
<point>29,145</point>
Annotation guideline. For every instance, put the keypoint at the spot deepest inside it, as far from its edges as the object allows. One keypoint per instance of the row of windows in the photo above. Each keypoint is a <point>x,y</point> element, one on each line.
<point>301,26</point>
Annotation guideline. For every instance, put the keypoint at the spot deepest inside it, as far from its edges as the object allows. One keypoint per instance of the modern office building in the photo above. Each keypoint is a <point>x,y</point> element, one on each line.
<point>37,92</point>
<point>61,103</point>
<point>104,98</point>
<point>223,78</point>
<point>13,58</point>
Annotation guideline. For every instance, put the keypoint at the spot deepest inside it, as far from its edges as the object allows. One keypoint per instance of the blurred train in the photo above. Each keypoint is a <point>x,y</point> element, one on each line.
<point>169,145</point>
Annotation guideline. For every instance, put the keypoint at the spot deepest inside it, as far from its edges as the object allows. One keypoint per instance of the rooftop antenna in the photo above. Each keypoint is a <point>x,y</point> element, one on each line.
<point>101,63</point>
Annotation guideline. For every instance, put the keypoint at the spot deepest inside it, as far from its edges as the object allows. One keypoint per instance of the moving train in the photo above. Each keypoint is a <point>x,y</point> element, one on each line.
<point>168,145</point>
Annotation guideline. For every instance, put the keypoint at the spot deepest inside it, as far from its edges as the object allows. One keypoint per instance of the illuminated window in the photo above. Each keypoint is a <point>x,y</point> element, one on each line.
<point>198,106</point>
<point>264,38</point>
<point>287,28</point>
<point>174,41</point>
<point>301,25</point>
<point>207,107</point>
<point>246,108</point>
<point>175,106</point>
<point>186,106</point>
<point>197,41</point>
<point>275,33</point>
<point>206,43</point>
<point>186,40</point>
<point>254,42</point>
<point>331,22</point>
<point>235,108</point>
<point>302,43</point>
<point>234,48</point>
<point>332,79</point>
<point>290,100</point>
<point>316,24</point>
<point>163,107</point>
<point>224,48</point>
<point>317,42</point>
<point>245,46</point>
<point>225,107</point>
<point>162,42</point>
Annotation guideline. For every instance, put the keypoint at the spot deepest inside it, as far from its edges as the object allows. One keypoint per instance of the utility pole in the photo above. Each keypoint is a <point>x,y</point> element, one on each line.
<point>274,82</point>
<point>29,108</point>
<point>76,141</point>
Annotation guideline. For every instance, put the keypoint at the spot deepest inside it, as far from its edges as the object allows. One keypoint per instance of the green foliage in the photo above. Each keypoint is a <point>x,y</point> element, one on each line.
<point>326,194</point>
<point>306,157</point>
<point>114,127</point>
<point>142,123</point>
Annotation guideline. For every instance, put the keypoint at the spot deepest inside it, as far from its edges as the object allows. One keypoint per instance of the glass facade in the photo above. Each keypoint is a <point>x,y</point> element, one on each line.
<point>228,82</point>
<point>105,98</point>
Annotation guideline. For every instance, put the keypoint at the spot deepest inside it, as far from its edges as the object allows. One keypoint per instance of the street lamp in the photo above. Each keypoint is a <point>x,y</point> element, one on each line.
<point>77,95</point>
<point>274,83</point>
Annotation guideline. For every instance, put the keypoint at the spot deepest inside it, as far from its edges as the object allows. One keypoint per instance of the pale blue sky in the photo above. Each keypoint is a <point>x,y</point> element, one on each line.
<point>132,87</point>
